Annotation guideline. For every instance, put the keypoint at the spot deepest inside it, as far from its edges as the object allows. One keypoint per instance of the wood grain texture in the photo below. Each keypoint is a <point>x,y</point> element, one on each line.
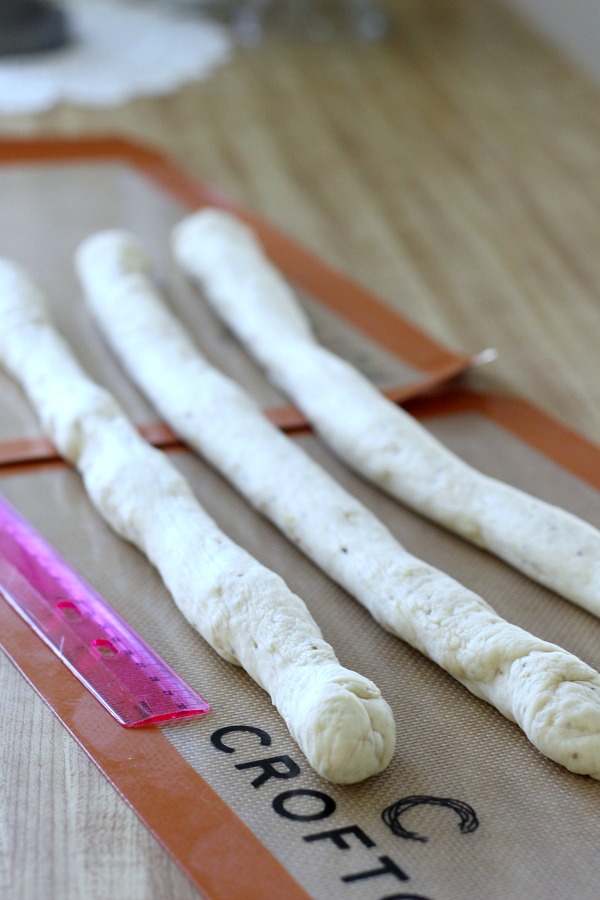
<point>454,169</point>
<point>64,832</point>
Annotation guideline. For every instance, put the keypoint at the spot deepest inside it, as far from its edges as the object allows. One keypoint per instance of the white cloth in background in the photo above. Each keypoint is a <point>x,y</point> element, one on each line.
<point>119,50</point>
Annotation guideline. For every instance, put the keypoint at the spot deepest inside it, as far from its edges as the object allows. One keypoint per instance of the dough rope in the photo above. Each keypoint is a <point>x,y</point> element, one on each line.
<point>371,434</point>
<point>244,611</point>
<point>552,695</point>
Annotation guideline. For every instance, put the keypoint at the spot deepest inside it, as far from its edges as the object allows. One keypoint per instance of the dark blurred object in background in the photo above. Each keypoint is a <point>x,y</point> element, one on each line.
<point>31,26</point>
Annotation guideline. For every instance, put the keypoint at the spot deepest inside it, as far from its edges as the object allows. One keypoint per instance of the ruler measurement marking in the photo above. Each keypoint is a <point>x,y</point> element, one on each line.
<point>90,638</point>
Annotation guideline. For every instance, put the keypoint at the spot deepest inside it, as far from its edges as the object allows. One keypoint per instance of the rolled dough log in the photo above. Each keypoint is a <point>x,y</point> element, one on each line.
<point>370,433</point>
<point>552,695</point>
<point>244,611</point>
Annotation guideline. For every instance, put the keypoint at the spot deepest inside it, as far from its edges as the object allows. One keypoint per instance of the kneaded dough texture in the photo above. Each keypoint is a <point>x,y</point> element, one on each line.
<point>370,433</point>
<point>245,611</point>
<point>530,681</point>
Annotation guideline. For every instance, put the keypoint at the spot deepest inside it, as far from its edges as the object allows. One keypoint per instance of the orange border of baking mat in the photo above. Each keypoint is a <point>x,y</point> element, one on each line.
<point>567,448</point>
<point>209,842</point>
<point>342,295</point>
<point>334,289</point>
<point>184,813</point>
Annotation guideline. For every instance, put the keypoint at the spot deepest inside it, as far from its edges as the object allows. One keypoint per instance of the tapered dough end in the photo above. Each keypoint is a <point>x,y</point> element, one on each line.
<point>557,703</point>
<point>213,226</point>
<point>109,255</point>
<point>203,243</point>
<point>345,728</point>
<point>224,255</point>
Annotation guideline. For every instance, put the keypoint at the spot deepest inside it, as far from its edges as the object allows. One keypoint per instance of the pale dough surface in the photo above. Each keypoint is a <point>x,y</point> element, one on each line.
<point>370,433</point>
<point>244,610</point>
<point>552,695</point>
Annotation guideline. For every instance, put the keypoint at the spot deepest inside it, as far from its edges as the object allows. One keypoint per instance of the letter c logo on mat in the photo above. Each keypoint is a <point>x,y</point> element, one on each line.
<point>392,815</point>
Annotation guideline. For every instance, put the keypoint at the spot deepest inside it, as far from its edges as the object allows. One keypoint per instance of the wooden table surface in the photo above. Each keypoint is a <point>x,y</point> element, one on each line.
<point>454,169</point>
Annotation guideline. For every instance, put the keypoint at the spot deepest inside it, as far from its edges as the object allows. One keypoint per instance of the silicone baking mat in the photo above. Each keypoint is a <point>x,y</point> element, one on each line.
<point>55,192</point>
<point>468,808</point>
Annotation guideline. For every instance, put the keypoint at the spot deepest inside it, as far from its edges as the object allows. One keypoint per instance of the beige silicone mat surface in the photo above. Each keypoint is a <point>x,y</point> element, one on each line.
<point>48,208</point>
<point>536,833</point>
<point>500,821</point>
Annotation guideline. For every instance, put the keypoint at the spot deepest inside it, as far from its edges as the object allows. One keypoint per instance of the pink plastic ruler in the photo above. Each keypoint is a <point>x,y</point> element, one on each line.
<point>120,669</point>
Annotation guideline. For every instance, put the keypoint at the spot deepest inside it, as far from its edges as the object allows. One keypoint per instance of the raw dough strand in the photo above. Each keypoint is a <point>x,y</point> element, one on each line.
<point>244,611</point>
<point>371,434</point>
<point>552,695</point>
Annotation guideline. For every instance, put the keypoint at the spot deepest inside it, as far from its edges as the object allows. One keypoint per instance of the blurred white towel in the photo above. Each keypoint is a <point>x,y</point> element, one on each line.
<point>120,50</point>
